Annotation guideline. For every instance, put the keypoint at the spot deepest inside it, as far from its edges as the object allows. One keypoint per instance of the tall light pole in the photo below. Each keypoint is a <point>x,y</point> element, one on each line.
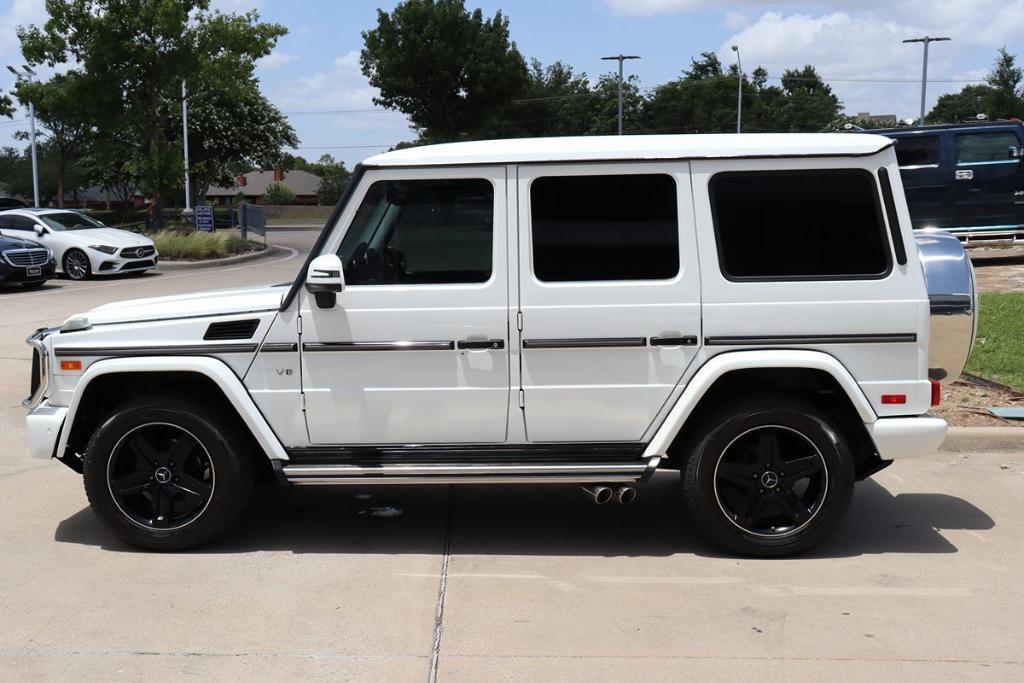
<point>739,90</point>
<point>27,74</point>
<point>924,68</point>
<point>184,131</point>
<point>621,58</point>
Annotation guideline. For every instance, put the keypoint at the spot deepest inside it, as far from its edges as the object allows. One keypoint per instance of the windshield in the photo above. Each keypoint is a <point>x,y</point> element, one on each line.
<point>69,220</point>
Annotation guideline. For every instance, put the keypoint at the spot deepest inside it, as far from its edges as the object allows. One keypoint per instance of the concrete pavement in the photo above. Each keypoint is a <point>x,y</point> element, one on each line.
<point>921,581</point>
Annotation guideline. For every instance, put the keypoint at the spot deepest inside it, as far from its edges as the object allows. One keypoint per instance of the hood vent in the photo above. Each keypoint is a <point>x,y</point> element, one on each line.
<point>234,329</point>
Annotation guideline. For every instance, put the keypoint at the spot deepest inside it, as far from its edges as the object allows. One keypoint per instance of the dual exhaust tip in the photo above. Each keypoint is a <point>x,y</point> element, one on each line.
<point>601,494</point>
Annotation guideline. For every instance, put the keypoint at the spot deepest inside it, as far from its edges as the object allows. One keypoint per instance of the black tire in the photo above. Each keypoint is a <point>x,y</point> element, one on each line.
<point>193,449</point>
<point>76,265</point>
<point>735,483</point>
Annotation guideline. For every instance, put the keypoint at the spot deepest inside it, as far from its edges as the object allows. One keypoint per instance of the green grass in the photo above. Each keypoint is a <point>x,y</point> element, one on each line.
<point>179,244</point>
<point>999,350</point>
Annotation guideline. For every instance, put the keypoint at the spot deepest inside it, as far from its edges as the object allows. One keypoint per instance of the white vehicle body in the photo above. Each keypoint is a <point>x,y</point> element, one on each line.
<point>109,251</point>
<point>527,376</point>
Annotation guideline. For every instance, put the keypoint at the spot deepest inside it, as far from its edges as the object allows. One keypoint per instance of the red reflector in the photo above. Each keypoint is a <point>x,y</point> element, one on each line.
<point>893,399</point>
<point>936,392</point>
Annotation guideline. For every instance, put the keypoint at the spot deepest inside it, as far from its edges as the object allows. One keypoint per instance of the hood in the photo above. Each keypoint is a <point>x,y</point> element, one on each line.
<point>200,304</point>
<point>109,236</point>
<point>7,242</point>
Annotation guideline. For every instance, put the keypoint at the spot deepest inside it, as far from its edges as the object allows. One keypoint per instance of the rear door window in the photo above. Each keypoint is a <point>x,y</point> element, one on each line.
<point>604,227</point>
<point>917,150</point>
<point>975,148</point>
<point>799,225</point>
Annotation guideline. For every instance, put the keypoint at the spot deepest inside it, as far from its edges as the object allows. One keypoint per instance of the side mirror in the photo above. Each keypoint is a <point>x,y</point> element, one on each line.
<point>1016,153</point>
<point>40,230</point>
<point>325,280</point>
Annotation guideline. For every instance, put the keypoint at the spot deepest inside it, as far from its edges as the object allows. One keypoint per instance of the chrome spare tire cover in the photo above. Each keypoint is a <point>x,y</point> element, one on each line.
<point>954,302</point>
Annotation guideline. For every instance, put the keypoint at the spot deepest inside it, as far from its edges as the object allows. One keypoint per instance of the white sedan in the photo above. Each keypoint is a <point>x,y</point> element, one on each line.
<point>82,246</point>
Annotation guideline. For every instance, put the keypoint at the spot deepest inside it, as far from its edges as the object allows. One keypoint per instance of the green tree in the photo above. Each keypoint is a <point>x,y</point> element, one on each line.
<point>278,193</point>
<point>959,106</point>
<point>702,100</point>
<point>132,56</point>
<point>449,70</point>
<point>6,105</point>
<point>556,101</point>
<point>1000,97</point>
<point>806,105</point>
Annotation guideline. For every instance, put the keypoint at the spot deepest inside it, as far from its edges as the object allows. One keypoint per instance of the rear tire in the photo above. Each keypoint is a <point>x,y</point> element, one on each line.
<point>770,476</point>
<point>166,474</point>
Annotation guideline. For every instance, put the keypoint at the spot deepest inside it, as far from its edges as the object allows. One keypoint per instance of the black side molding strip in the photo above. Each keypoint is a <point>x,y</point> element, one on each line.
<point>673,341</point>
<point>481,344</point>
<point>379,346</point>
<point>584,343</point>
<point>280,347</point>
<point>814,339</point>
<point>614,451</point>
<point>189,350</point>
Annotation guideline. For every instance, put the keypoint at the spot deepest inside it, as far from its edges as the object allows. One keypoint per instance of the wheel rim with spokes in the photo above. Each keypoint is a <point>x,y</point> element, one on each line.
<point>771,481</point>
<point>160,476</point>
<point>77,265</point>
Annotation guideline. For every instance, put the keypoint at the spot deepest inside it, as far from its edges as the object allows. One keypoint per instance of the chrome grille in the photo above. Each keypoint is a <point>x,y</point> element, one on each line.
<point>24,258</point>
<point>137,252</point>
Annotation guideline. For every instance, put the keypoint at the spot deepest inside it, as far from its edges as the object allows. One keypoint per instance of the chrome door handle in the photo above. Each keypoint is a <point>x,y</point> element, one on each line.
<point>481,343</point>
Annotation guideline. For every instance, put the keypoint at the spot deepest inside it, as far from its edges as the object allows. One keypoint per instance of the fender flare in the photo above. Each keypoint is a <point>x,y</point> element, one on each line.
<point>212,368</point>
<point>724,363</point>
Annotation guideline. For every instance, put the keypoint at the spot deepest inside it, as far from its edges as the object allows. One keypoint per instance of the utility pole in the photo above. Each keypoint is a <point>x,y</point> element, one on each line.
<point>739,90</point>
<point>184,130</point>
<point>27,76</point>
<point>924,69</point>
<point>620,58</point>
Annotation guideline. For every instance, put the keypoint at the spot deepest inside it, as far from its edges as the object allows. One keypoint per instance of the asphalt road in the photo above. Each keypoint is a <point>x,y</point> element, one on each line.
<point>922,581</point>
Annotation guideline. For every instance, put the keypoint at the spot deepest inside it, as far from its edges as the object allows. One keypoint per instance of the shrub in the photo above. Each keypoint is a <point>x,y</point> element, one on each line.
<point>178,244</point>
<point>278,193</point>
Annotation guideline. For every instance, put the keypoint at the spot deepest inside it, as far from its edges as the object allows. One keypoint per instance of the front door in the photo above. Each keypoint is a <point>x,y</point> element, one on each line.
<point>609,292</point>
<point>416,348</point>
<point>986,180</point>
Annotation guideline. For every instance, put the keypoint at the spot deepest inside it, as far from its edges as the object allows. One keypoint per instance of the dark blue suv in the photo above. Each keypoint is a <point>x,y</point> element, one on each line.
<point>967,178</point>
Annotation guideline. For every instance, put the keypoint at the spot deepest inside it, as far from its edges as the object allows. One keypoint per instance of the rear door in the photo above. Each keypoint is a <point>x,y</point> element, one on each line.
<point>986,179</point>
<point>609,296</point>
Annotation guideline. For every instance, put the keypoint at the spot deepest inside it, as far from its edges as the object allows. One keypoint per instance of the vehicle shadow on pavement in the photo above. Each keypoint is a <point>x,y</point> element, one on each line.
<point>8,290</point>
<point>539,520</point>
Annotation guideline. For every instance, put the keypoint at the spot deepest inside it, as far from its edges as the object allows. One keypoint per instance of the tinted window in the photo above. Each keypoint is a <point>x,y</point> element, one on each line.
<point>975,147</point>
<point>421,232</point>
<point>70,220</point>
<point>612,227</point>
<point>917,150</point>
<point>801,225</point>
<point>17,223</point>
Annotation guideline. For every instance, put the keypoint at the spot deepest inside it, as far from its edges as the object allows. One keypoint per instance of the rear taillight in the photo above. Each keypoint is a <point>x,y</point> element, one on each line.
<point>936,392</point>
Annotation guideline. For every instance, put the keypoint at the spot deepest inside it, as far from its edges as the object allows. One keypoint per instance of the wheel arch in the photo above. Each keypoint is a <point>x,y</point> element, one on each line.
<point>811,374</point>
<point>104,384</point>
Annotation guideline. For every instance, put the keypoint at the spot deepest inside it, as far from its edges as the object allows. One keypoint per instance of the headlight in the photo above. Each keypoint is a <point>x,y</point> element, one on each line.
<point>104,248</point>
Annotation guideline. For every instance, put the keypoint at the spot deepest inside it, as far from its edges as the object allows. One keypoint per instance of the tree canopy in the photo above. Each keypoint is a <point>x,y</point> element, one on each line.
<point>1000,97</point>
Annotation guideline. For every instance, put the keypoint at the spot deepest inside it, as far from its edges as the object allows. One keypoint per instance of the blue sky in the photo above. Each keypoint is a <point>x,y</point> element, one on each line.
<point>315,68</point>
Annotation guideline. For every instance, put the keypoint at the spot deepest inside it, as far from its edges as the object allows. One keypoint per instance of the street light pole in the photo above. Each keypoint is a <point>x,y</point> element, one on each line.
<point>27,76</point>
<point>184,130</point>
<point>924,69</point>
<point>739,90</point>
<point>620,58</point>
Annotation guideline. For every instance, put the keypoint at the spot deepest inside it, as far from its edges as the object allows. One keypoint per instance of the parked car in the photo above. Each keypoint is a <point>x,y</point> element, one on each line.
<point>967,178</point>
<point>82,245</point>
<point>25,262</point>
<point>11,203</point>
<point>751,310</point>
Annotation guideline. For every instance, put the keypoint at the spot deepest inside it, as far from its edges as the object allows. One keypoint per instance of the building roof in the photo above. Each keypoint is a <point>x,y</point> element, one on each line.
<point>302,183</point>
<point>634,147</point>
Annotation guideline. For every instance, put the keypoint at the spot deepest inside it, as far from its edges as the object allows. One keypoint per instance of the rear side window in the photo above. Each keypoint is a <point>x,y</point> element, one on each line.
<point>17,223</point>
<point>604,227</point>
<point>972,148</point>
<point>803,225</point>
<point>917,150</point>
<point>421,232</point>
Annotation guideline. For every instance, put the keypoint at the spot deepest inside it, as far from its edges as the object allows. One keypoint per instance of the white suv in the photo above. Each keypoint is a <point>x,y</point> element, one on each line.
<point>82,245</point>
<point>751,310</point>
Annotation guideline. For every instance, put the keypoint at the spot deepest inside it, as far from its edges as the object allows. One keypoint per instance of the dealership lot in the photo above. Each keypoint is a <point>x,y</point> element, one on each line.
<point>494,582</point>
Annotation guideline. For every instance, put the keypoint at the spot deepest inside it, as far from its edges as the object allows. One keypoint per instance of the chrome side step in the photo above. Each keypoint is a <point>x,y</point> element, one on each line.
<point>475,473</point>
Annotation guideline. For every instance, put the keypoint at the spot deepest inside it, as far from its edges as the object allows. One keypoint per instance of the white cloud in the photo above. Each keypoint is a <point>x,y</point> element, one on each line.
<point>276,60</point>
<point>736,20</point>
<point>20,13</point>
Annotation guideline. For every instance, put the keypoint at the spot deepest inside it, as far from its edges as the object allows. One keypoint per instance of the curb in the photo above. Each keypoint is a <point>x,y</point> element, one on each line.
<point>983,440</point>
<point>271,250</point>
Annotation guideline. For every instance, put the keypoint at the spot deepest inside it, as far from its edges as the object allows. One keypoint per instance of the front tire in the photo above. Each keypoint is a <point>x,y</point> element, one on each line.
<point>76,264</point>
<point>164,474</point>
<point>771,476</point>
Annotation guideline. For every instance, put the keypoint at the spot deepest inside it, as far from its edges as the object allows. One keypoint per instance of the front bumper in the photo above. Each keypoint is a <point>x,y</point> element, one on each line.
<point>897,438</point>
<point>10,274</point>
<point>44,425</point>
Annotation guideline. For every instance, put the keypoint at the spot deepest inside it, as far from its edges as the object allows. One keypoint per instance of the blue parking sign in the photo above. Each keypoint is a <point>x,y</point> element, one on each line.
<point>204,218</point>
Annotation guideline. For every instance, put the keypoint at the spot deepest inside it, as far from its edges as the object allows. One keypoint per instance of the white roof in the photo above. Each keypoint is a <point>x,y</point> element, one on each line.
<point>635,147</point>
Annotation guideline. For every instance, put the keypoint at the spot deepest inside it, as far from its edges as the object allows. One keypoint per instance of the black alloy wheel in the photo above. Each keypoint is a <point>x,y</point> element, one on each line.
<point>76,264</point>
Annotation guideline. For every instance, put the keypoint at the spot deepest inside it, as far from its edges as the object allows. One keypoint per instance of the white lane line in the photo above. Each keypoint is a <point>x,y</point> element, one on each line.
<point>162,278</point>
